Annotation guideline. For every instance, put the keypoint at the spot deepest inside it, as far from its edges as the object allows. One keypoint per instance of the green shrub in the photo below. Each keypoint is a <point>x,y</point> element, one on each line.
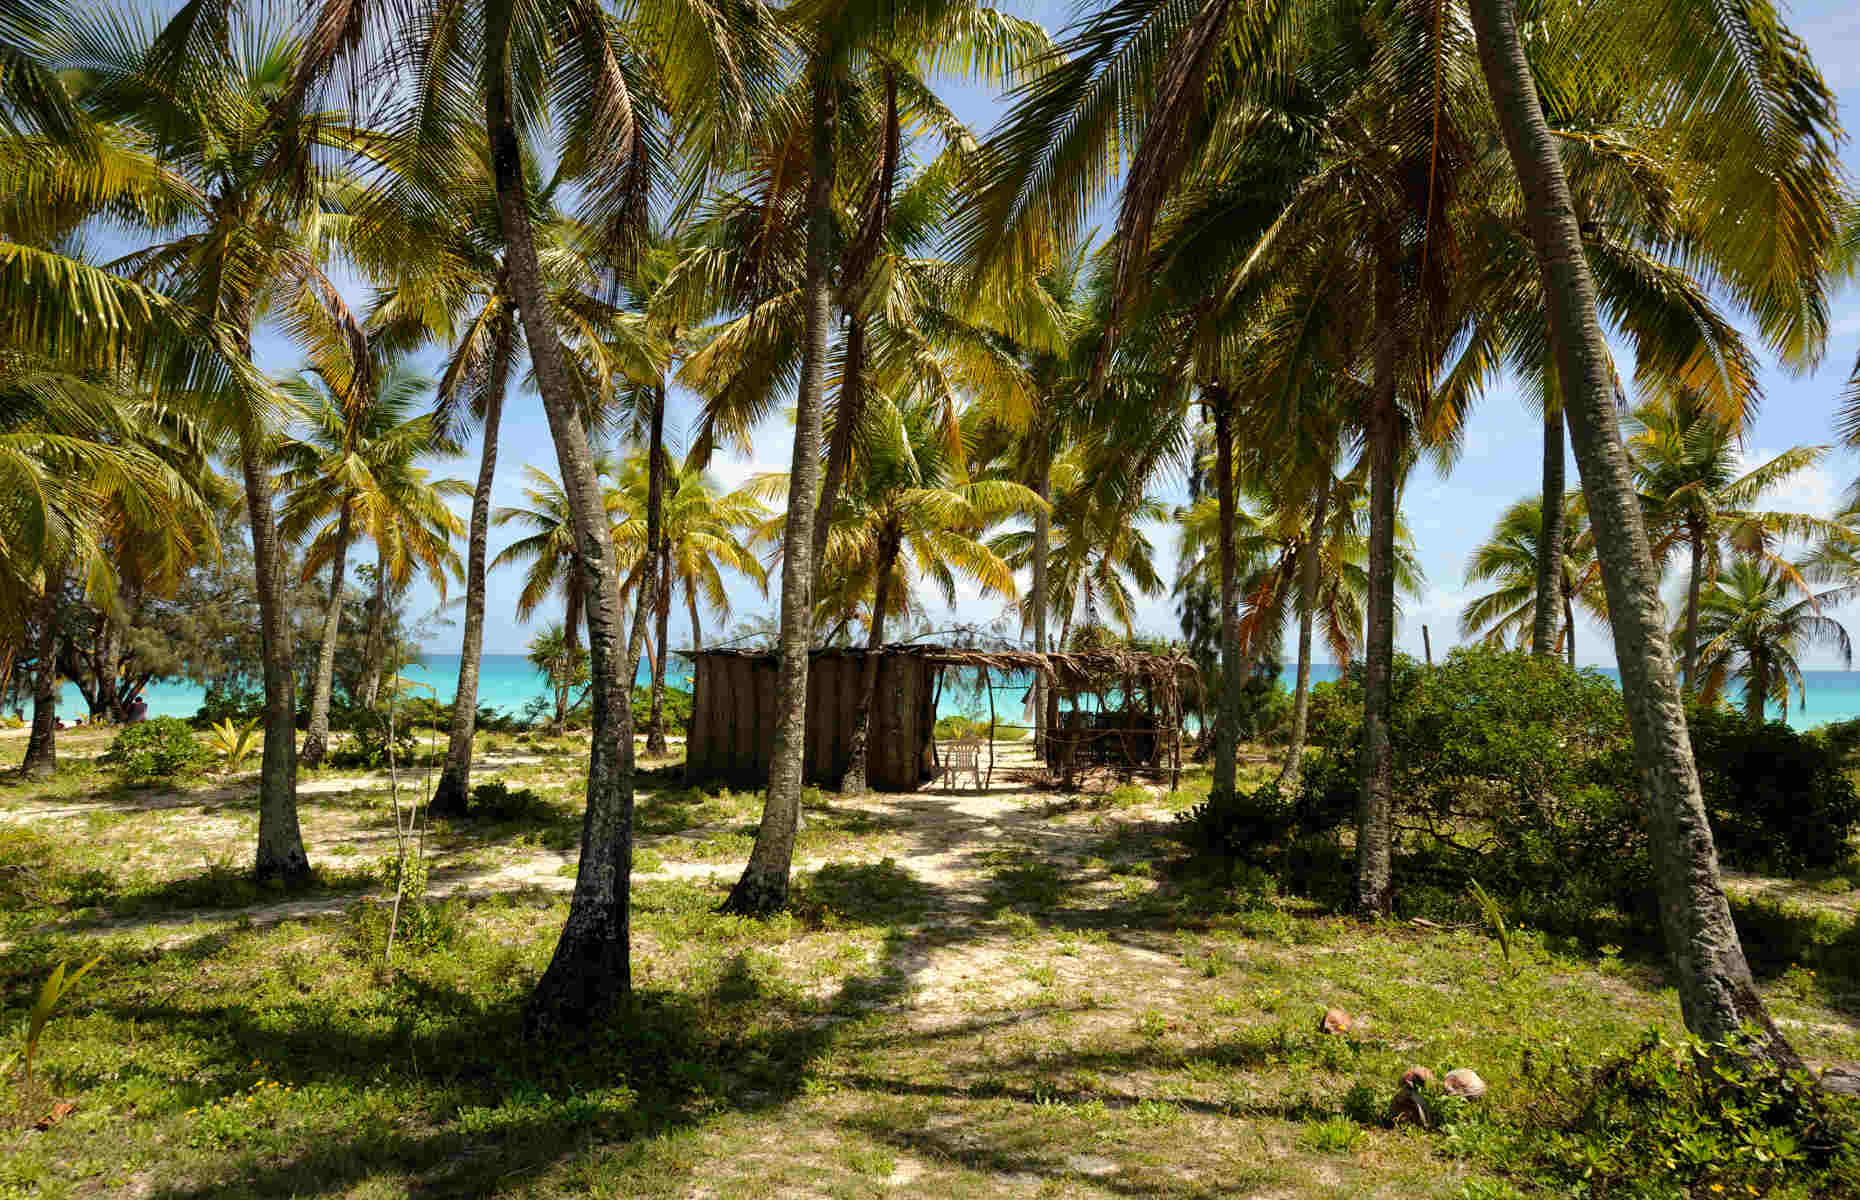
<point>1780,800</point>
<point>1245,823</point>
<point>162,748</point>
<point>237,702</point>
<point>1510,769</point>
<point>1677,1119</point>
<point>367,748</point>
<point>677,707</point>
<point>498,801</point>
<point>956,725</point>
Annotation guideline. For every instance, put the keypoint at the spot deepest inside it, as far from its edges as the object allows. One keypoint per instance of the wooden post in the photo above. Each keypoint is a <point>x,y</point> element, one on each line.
<point>989,679</point>
<point>1427,647</point>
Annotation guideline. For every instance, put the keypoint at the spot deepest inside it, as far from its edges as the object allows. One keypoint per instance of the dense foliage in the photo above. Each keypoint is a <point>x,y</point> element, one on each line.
<point>1515,771</point>
<point>163,748</point>
<point>1671,1120</point>
<point>1780,800</point>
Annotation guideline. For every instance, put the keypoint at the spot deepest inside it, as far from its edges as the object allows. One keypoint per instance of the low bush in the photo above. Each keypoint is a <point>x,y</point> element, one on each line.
<point>162,748</point>
<point>956,725</point>
<point>498,801</point>
<point>677,708</point>
<point>1243,824</point>
<point>1509,769</point>
<point>367,748</point>
<point>1672,1119</point>
<point>1780,800</point>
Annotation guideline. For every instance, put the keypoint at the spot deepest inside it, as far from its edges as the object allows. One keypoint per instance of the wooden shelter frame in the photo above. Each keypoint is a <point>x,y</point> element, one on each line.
<point>1159,678</point>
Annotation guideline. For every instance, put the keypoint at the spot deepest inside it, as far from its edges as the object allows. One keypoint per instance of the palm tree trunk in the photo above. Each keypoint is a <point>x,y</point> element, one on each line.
<point>763,887</point>
<point>1374,817</point>
<point>1716,993</point>
<point>1550,541</point>
<point>374,647</point>
<point>1227,722</point>
<point>839,445</point>
<point>452,796</point>
<point>280,856</point>
<point>592,966</point>
<point>1308,573</point>
<point>855,264</point>
<point>316,737</point>
<point>655,722</point>
<point>697,632</point>
<point>41,760</point>
<point>1042,544</point>
<point>572,608</point>
<point>1690,665</point>
<point>854,783</point>
<point>1569,625</point>
<point>652,587</point>
<point>1756,697</point>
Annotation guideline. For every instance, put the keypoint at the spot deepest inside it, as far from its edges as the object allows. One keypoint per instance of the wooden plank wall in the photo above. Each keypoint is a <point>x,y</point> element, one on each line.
<point>733,720</point>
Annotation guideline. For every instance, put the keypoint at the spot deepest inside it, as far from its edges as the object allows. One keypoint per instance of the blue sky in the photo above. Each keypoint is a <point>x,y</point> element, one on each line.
<point>1448,515</point>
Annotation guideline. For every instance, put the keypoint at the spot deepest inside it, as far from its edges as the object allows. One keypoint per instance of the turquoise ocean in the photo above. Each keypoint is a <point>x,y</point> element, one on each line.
<point>507,682</point>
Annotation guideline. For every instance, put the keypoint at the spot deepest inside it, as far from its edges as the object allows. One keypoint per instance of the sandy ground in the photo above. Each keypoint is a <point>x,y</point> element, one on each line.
<point>947,833</point>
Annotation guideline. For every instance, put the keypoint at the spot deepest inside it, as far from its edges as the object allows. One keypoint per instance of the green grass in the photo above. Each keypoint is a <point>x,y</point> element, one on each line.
<point>1057,1009</point>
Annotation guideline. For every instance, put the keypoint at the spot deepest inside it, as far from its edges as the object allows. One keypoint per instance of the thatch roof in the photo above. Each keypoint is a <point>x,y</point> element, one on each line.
<point>1072,670</point>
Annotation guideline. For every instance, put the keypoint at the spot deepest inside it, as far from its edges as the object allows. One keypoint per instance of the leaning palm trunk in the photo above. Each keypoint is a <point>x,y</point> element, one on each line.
<point>316,736</point>
<point>374,647</point>
<point>652,587</point>
<point>1308,572</point>
<point>763,887</point>
<point>571,644</point>
<point>281,854</point>
<point>1689,668</point>
<point>1227,722</point>
<point>655,722</point>
<point>1716,993</point>
<point>41,760</point>
<point>1550,541</point>
<point>859,751</point>
<point>1042,540</point>
<point>839,445</point>
<point>1374,817</point>
<point>1756,698</point>
<point>591,967</point>
<point>1569,629</point>
<point>454,791</point>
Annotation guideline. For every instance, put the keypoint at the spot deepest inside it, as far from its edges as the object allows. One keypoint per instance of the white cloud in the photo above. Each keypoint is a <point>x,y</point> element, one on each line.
<point>732,471</point>
<point>1813,491</point>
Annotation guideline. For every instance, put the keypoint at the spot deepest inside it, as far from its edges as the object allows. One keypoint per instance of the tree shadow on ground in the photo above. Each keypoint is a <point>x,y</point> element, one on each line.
<point>490,1106</point>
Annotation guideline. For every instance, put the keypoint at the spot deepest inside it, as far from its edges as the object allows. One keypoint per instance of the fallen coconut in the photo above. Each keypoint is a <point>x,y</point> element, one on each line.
<point>1334,1021</point>
<point>1406,1109</point>
<point>1463,1082</point>
<point>1409,1105</point>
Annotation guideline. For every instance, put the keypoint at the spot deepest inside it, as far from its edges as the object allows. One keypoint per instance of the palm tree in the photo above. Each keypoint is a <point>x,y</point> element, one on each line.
<point>836,42</point>
<point>432,230</point>
<point>1755,621</point>
<point>1705,57</point>
<point>201,94</point>
<point>553,552</point>
<point>76,456</point>
<point>705,532</point>
<point>1510,560</point>
<point>1098,557</point>
<point>1688,463</point>
<point>912,505</point>
<point>351,474</point>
